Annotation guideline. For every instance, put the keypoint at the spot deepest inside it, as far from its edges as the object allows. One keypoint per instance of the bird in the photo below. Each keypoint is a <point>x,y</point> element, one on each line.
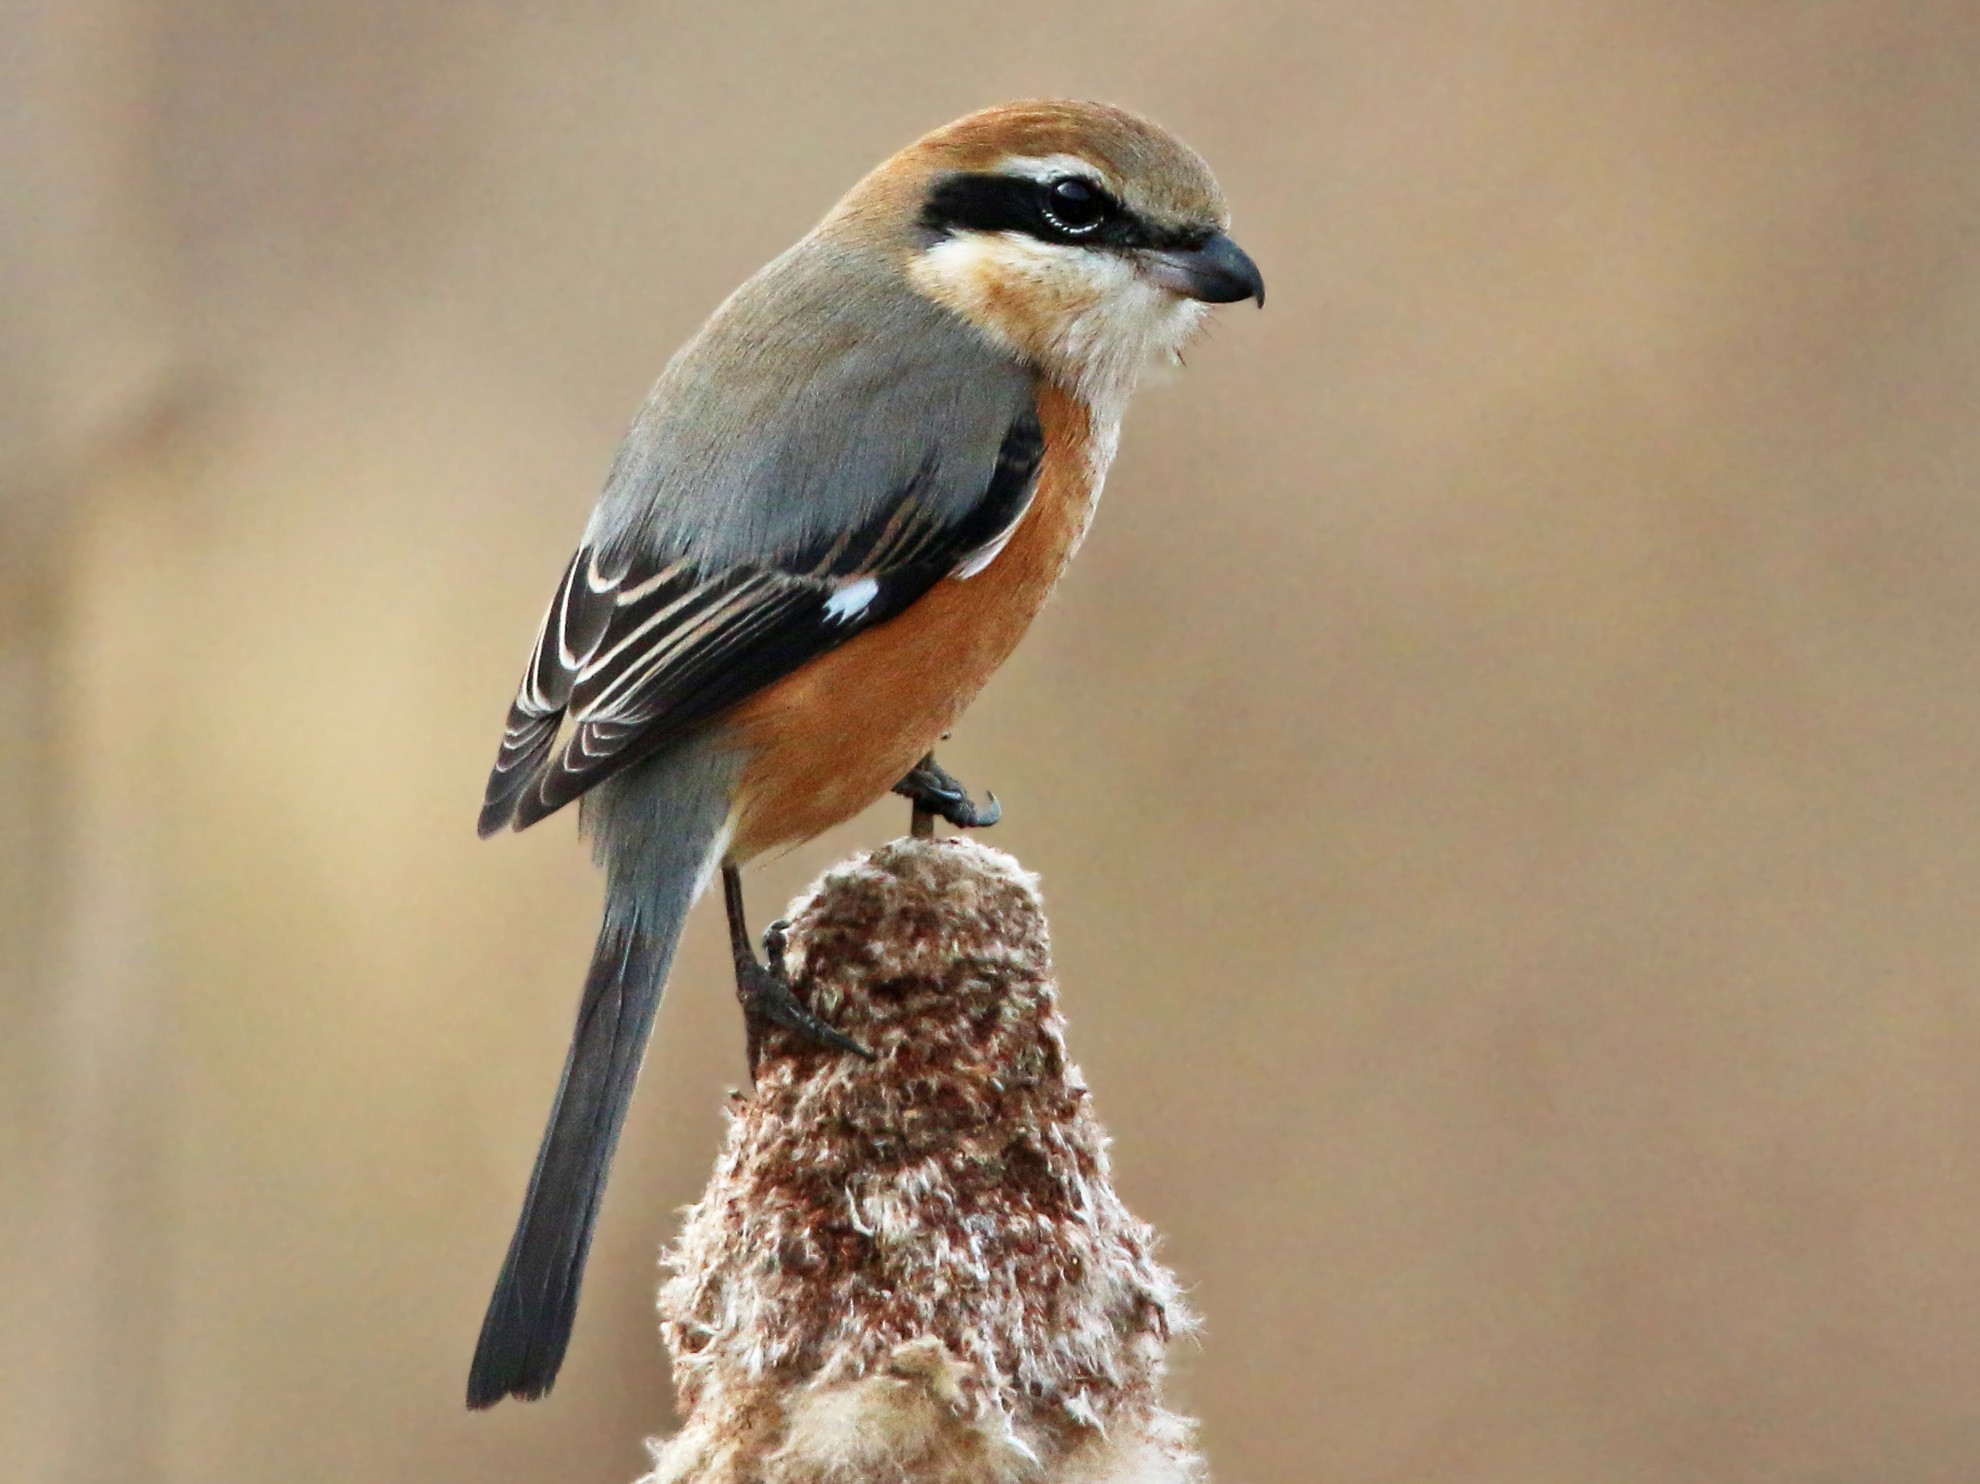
<point>837,512</point>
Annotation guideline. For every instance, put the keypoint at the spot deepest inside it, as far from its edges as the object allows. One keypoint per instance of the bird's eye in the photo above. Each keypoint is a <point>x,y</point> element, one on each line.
<point>1075,206</point>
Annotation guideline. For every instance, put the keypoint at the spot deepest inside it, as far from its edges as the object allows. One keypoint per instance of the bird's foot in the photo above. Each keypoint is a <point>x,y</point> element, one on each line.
<point>935,794</point>
<point>768,999</point>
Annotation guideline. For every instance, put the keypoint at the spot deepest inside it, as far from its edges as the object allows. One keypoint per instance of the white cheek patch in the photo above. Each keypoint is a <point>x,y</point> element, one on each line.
<point>962,271</point>
<point>850,601</point>
<point>1085,314</point>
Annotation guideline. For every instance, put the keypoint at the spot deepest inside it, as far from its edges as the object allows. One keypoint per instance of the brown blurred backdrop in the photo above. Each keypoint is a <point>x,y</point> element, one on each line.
<point>1504,768</point>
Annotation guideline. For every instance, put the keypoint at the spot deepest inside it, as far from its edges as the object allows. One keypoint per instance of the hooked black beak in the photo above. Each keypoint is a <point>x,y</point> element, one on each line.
<point>1218,272</point>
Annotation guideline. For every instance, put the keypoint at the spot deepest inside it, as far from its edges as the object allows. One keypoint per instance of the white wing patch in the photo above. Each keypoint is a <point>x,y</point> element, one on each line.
<point>850,601</point>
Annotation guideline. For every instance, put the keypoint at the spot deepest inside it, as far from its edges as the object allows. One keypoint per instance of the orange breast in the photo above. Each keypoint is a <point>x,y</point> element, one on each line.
<point>830,738</point>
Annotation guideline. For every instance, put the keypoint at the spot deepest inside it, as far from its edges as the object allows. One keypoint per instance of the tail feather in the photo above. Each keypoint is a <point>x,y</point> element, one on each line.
<point>528,1325</point>
<point>658,828</point>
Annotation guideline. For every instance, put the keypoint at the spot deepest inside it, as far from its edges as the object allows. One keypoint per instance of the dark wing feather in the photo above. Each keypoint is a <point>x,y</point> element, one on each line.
<point>638,651</point>
<point>572,628</point>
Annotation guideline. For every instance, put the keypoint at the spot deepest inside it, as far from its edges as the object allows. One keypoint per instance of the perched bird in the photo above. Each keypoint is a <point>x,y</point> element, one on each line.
<point>838,511</point>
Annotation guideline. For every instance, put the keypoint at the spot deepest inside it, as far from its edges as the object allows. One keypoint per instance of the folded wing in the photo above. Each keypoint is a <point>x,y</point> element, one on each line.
<point>643,645</point>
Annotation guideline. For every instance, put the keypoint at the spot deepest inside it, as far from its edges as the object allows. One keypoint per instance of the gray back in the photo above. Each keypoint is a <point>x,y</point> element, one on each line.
<point>812,397</point>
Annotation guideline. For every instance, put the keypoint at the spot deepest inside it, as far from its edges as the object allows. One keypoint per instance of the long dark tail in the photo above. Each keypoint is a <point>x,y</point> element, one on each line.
<point>656,851</point>
<point>529,1319</point>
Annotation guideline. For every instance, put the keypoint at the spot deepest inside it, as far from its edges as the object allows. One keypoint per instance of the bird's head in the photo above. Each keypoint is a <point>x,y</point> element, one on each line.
<point>1084,239</point>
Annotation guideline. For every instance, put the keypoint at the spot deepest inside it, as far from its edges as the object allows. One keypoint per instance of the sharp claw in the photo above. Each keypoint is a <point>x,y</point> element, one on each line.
<point>936,794</point>
<point>776,938</point>
<point>841,1042</point>
<point>767,997</point>
<point>799,1021</point>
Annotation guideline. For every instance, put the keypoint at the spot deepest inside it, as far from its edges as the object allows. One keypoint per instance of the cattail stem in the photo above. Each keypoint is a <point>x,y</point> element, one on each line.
<point>917,1269</point>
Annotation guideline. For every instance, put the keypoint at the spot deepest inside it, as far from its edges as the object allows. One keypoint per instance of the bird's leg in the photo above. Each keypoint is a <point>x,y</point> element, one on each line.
<point>933,792</point>
<point>766,993</point>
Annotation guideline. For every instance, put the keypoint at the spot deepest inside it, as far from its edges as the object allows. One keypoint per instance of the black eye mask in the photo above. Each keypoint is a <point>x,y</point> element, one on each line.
<point>1066,209</point>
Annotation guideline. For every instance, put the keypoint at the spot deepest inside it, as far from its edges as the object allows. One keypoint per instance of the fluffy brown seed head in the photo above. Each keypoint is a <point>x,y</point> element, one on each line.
<point>919,1267</point>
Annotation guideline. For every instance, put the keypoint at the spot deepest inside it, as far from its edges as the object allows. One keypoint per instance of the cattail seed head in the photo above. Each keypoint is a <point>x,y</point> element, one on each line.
<point>917,1268</point>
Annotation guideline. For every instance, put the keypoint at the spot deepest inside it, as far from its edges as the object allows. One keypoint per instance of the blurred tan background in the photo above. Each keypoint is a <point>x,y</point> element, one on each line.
<point>1504,767</point>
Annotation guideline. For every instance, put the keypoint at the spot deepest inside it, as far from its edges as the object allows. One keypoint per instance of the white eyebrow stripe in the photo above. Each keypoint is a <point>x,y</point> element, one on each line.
<point>1051,167</point>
